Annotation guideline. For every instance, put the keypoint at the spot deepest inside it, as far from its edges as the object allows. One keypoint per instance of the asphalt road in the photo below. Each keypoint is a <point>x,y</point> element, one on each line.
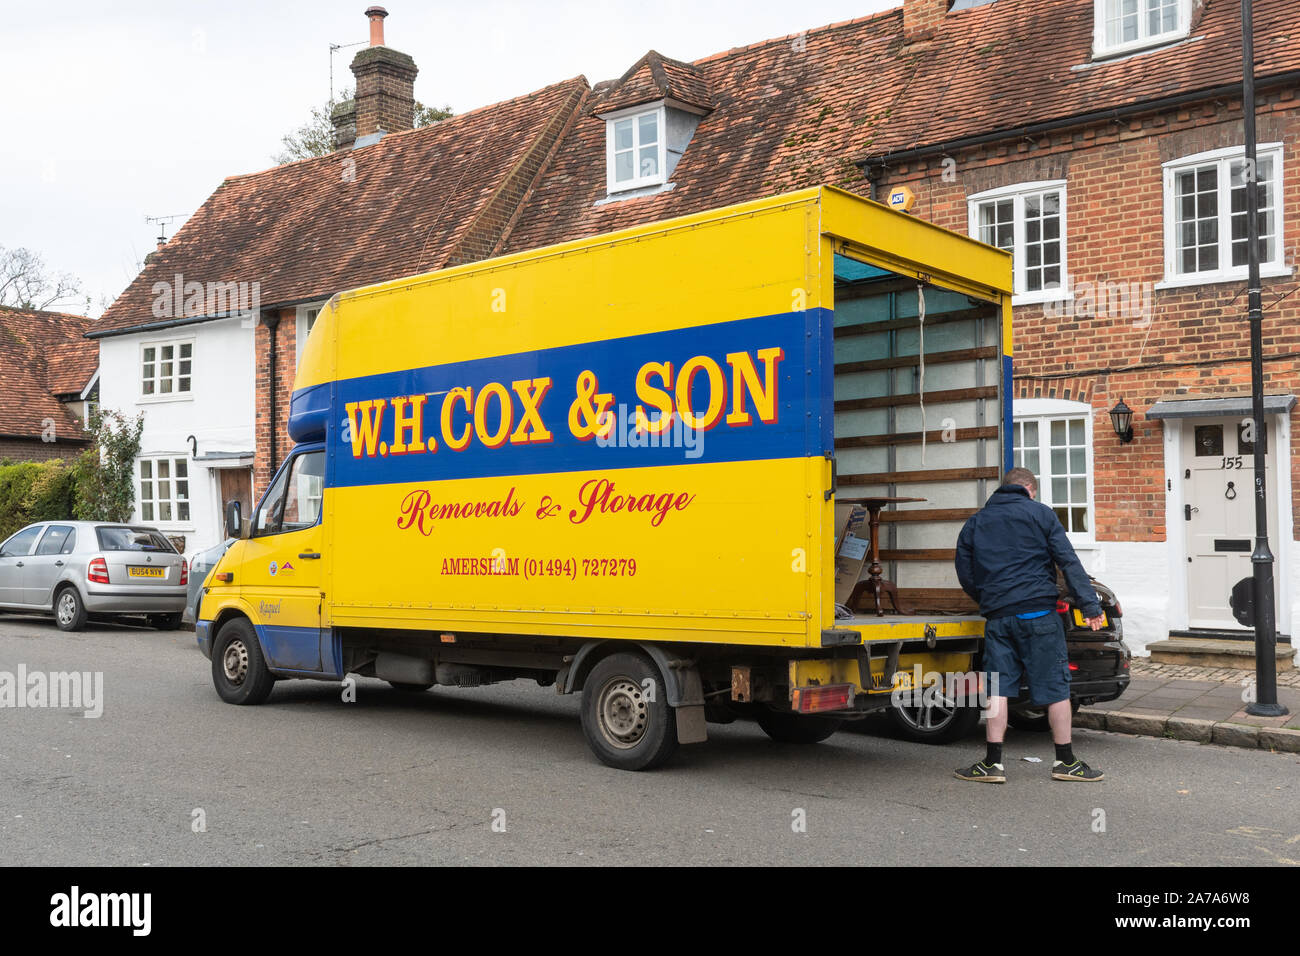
<point>398,779</point>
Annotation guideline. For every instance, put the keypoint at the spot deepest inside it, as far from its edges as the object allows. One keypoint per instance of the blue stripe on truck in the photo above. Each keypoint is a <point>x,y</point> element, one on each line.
<point>802,427</point>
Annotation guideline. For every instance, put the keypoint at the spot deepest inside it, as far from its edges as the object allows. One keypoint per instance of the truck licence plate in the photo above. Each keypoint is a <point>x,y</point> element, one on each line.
<point>146,572</point>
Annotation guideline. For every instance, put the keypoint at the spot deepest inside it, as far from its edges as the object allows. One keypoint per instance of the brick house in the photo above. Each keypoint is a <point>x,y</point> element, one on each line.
<point>1115,174</point>
<point>1104,148</point>
<point>1099,140</point>
<point>49,379</point>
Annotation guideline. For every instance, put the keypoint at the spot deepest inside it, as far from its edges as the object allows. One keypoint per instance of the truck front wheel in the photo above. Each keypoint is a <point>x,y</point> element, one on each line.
<point>787,728</point>
<point>626,717</point>
<point>239,670</point>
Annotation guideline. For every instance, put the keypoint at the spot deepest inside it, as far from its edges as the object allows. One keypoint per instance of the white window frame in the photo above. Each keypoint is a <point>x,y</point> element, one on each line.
<point>1101,9</point>
<point>175,523</point>
<point>634,113</point>
<point>1044,411</point>
<point>158,395</point>
<point>1224,158</point>
<point>301,330</point>
<point>1018,192</point>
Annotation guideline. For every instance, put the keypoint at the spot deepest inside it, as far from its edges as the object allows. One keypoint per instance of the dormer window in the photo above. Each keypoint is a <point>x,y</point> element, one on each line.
<point>1124,26</point>
<point>635,145</point>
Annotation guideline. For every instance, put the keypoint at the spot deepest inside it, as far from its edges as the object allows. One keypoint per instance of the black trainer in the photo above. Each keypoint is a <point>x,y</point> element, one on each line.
<point>1075,771</point>
<point>982,772</point>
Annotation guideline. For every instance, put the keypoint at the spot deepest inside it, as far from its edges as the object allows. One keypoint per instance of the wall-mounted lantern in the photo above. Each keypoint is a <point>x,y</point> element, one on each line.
<point>1121,417</point>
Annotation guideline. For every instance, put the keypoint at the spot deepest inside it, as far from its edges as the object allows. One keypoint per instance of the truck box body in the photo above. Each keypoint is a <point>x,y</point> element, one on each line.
<point>641,437</point>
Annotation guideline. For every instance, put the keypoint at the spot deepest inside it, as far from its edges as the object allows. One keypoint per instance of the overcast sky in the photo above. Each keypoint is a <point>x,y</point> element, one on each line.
<point>118,111</point>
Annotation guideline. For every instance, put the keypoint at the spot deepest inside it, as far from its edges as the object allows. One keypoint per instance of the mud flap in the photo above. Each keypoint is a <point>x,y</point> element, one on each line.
<point>690,724</point>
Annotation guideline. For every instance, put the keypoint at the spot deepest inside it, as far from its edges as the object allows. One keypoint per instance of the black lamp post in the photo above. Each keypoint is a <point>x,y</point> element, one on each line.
<point>1266,703</point>
<point>1121,417</point>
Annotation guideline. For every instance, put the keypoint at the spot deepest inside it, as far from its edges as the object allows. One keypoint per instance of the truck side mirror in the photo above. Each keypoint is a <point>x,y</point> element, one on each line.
<point>234,525</point>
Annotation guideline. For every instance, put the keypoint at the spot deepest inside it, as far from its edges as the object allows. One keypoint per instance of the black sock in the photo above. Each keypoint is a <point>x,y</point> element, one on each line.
<point>994,755</point>
<point>1065,753</point>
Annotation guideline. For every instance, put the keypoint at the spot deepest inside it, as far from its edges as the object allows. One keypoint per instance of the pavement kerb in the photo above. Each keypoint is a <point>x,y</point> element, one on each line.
<point>1225,732</point>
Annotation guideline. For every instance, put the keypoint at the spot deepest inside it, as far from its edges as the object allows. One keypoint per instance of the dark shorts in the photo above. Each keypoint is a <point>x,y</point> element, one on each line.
<point>1034,650</point>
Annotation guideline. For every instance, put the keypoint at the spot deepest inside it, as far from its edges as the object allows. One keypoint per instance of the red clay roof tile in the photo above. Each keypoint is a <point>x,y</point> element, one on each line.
<point>42,354</point>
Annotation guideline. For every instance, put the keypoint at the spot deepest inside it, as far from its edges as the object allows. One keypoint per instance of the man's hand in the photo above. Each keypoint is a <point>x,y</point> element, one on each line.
<point>1098,622</point>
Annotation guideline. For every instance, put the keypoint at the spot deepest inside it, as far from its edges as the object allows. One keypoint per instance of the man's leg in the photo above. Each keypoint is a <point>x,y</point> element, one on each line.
<point>1001,664</point>
<point>995,720</point>
<point>1061,716</point>
<point>1049,679</point>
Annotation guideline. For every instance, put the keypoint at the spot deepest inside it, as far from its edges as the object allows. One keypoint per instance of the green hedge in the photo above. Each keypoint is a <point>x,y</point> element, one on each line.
<point>34,491</point>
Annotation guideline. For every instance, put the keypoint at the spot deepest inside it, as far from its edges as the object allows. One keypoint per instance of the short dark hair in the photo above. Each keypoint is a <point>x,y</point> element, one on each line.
<point>1020,476</point>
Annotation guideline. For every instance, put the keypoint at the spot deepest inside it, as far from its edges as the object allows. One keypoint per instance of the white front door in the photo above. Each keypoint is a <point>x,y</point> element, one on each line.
<point>1219,512</point>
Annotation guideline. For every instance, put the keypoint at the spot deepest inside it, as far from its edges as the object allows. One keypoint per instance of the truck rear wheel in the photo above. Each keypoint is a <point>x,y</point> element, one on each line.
<point>788,728</point>
<point>626,717</point>
<point>239,670</point>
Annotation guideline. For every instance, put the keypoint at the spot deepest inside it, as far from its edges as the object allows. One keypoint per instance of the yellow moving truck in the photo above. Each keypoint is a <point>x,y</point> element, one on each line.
<point>613,466</point>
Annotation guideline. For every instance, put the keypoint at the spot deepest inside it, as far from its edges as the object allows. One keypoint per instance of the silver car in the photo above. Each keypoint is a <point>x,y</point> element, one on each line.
<point>80,569</point>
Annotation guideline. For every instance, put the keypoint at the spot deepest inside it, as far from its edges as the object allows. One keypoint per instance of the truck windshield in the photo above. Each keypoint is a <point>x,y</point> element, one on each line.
<point>294,501</point>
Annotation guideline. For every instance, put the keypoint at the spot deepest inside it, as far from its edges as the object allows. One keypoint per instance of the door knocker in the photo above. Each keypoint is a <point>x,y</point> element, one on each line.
<point>1231,492</point>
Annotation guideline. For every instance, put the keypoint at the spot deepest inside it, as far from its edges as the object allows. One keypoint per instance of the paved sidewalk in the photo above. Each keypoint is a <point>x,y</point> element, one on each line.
<point>1198,703</point>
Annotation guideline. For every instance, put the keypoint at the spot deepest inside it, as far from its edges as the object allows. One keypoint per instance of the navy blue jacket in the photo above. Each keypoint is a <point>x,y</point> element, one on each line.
<point>1008,552</point>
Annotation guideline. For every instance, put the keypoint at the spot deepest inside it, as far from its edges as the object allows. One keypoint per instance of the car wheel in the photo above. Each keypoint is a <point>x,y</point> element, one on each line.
<point>165,622</point>
<point>69,610</point>
<point>1034,718</point>
<point>626,725</point>
<point>939,722</point>
<point>239,670</point>
<point>789,728</point>
<point>409,688</point>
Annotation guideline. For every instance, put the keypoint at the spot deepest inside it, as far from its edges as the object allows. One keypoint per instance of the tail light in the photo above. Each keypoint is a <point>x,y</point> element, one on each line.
<point>810,700</point>
<point>1119,612</point>
<point>97,572</point>
<point>1074,666</point>
<point>185,572</point>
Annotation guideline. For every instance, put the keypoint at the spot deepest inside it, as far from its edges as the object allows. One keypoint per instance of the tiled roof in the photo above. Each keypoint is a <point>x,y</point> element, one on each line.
<point>804,109</point>
<point>319,226</point>
<point>42,354</point>
<point>1015,63</point>
<point>655,77</point>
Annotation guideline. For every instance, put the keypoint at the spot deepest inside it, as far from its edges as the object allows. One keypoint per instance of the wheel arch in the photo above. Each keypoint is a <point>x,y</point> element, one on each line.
<point>682,685</point>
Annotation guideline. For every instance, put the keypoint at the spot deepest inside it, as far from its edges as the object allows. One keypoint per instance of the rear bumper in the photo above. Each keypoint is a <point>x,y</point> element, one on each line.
<point>136,601</point>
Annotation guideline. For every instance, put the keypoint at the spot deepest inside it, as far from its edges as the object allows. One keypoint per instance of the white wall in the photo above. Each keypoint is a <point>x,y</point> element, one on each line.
<point>1136,572</point>
<point>220,411</point>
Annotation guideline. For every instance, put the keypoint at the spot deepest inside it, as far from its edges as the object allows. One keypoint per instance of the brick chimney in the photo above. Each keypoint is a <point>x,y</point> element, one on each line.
<point>921,18</point>
<point>385,97</point>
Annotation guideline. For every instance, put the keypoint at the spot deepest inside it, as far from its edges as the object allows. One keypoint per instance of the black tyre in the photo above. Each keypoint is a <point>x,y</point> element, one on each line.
<point>166,622</point>
<point>940,722</point>
<point>69,610</point>
<point>789,728</point>
<point>626,717</point>
<point>1034,718</point>
<point>409,688</point>
<point>239,670</point>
